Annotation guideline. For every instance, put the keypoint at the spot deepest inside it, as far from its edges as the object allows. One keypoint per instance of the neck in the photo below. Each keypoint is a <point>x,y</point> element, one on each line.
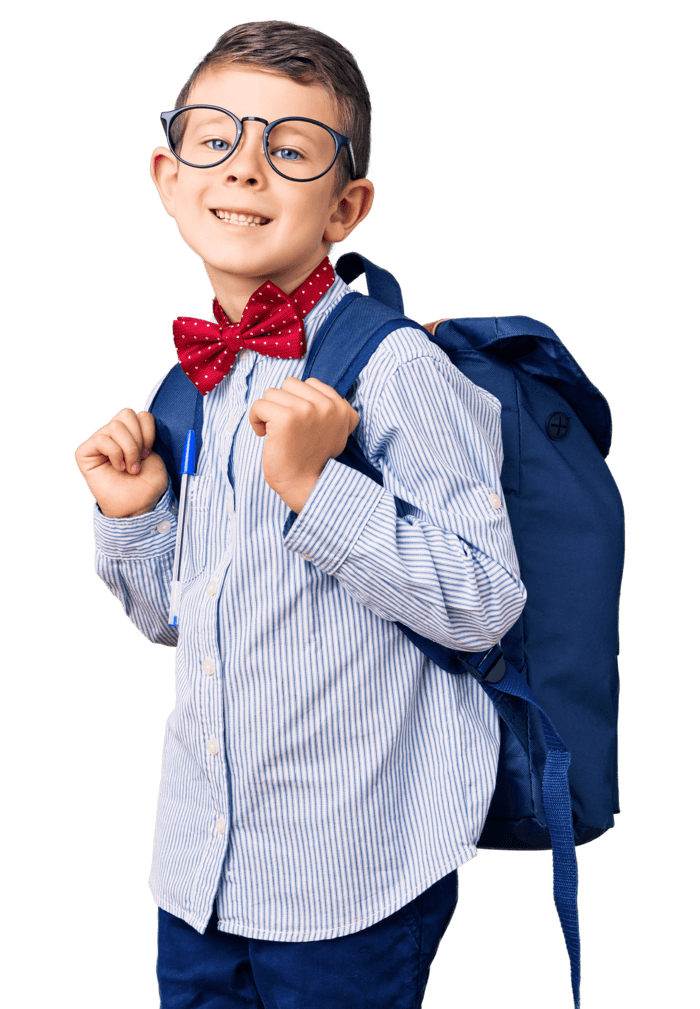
<point>233,292</point>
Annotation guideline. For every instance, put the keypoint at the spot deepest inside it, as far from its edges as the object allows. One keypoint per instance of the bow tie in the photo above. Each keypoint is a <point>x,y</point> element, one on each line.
<point>271,324</point>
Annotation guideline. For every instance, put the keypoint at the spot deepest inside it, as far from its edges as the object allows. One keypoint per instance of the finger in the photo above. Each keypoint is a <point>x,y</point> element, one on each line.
<point>148,431</point>
<point>327,408</point>
<point>335,397</point>
<point>130,419</point>
<point>314,386</point>
<point>100,449</point>
<point>330,393</point>
<point>327,390</point>
<point>311,389</point>
<point>263,412</point>
<point>129,445</point>
<point>294,401</point>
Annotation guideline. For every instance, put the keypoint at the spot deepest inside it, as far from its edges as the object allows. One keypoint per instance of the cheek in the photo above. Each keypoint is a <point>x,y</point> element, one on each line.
<point>194,225</point>
<point>189,210</point>
<point>308,217</point>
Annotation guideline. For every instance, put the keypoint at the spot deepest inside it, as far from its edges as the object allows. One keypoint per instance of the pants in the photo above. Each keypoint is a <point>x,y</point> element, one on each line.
<point>385,966</point>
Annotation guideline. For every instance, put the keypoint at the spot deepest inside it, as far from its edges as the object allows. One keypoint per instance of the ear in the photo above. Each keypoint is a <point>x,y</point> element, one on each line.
<point>348,209</point>
<point>164,172</point>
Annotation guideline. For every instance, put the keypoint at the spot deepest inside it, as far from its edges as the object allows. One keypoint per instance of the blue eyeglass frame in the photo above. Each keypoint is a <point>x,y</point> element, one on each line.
<point>341,141</point>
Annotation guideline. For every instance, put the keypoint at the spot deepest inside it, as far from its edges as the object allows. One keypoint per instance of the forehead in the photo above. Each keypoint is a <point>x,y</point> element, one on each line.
<point>248,92</point>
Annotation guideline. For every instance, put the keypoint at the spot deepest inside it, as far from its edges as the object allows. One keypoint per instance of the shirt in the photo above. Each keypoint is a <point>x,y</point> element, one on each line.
<point>319,772</point>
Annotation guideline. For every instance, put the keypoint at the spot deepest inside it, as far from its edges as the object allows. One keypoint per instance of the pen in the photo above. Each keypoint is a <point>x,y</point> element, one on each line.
<point>186,470</point>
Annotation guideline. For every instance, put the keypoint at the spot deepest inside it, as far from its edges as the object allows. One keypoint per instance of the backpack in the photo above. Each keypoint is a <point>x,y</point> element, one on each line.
<point>557,666</point>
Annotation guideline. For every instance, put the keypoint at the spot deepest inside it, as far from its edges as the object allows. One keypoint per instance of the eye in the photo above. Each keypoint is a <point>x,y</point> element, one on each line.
<point>287,154</point>
<point>218,145</point>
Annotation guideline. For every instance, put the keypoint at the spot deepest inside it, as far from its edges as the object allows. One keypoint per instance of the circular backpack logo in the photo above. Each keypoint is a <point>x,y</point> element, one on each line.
<point>558,425</point>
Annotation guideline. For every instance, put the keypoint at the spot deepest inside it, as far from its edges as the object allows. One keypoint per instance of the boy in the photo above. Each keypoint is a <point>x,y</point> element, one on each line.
<point>322,779</point>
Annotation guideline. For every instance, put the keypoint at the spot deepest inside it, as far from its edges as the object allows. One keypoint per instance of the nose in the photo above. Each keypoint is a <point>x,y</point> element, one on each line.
<point>248,162</point>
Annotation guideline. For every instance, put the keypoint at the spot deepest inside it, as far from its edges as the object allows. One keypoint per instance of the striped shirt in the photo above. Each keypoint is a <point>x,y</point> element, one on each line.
<point>319,772</point>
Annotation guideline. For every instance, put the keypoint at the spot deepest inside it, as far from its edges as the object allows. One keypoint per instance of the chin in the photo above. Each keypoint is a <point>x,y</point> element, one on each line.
<point>242,265</point>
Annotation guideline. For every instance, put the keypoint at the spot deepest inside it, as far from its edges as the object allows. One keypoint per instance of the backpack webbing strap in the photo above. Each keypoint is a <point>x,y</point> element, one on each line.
<point>557,806</point>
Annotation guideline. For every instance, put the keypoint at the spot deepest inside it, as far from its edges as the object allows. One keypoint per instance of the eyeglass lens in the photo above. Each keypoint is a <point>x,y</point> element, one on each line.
<point>297,149</point>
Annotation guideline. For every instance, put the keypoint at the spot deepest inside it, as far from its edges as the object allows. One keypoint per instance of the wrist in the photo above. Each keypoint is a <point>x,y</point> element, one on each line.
<point>110,513</point>
<point>296,493</point>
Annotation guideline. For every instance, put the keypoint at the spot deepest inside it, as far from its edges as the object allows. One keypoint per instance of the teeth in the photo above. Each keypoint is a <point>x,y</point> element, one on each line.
<point>246,220</point>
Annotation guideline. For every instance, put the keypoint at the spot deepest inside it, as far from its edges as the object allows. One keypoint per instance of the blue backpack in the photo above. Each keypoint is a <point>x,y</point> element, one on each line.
<point>557,666</point>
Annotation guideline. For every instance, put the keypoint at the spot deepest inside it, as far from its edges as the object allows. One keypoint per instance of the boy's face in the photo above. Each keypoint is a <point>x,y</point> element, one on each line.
<point>303,218</point>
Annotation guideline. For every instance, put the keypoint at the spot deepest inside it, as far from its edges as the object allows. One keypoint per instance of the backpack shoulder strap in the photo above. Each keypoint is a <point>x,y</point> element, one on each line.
<point>346,341</point>
<point>177,407</point>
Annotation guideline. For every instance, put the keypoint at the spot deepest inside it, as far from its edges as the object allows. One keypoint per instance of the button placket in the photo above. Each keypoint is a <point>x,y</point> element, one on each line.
<point>237,406</point>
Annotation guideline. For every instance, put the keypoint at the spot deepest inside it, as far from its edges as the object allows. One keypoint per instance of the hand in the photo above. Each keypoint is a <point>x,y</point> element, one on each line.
<point>126,478</point>
<point>432,326</point>
<point>305,424</point>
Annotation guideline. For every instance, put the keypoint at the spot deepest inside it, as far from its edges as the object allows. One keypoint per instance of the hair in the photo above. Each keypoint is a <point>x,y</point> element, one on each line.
<point>306,56</point>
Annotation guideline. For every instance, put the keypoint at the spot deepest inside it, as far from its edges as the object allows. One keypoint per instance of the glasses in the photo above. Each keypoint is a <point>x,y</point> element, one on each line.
<point>302,150</point>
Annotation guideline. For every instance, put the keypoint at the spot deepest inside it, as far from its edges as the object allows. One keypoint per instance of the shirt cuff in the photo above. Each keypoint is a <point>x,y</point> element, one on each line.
<point>148,535</point>
<point>335,513</point>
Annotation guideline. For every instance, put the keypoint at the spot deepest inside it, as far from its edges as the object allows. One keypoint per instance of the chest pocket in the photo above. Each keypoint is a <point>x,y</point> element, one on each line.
<point>196,532</point>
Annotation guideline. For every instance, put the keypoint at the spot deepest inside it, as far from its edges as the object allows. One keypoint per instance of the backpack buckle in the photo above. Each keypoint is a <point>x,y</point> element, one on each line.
<point>491,668</point>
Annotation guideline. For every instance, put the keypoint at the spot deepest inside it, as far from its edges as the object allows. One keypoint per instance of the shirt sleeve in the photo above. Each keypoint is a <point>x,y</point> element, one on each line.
<point>134,558</point>
<point>442,559</point>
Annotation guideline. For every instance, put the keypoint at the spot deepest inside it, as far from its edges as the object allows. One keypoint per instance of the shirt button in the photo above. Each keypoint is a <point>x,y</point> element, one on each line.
<point>211,589</point>
<point>208,667</point>
<point>495,500</point>
<point>173,508</point>
<point>212,747</point>
<point>230,506</point>
<point>164,527</point>
<point>220,825</point>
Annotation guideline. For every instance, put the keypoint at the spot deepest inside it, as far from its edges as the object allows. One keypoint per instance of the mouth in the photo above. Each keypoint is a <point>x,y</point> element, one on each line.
<point>242,219</point>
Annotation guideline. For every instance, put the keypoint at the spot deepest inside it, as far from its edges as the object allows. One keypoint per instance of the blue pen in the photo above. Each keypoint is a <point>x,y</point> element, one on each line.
<point>186,471</point>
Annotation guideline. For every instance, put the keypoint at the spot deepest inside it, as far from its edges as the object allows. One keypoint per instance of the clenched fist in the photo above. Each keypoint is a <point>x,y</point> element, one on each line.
<point>305,424</point>
<point>125,477</point>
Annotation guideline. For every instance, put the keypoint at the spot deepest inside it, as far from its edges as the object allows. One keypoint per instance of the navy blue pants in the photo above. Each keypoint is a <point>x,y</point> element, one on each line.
<point>384,966</point>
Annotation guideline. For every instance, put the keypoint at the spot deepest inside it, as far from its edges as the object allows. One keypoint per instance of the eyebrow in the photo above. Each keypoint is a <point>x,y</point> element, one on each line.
<point>214,119</point>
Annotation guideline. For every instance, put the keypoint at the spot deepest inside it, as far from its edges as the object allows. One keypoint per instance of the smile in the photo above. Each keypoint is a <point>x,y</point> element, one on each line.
<point>246,220</point>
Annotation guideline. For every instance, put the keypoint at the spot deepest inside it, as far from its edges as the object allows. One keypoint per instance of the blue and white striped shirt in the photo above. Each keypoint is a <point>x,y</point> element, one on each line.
<point>319,772</point>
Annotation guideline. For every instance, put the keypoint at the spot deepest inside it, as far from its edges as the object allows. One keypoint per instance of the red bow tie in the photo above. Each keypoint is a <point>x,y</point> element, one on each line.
<point>271,324</point>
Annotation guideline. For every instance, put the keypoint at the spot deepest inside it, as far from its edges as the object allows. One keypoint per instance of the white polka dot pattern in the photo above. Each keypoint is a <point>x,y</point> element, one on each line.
<point>209,344</point>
